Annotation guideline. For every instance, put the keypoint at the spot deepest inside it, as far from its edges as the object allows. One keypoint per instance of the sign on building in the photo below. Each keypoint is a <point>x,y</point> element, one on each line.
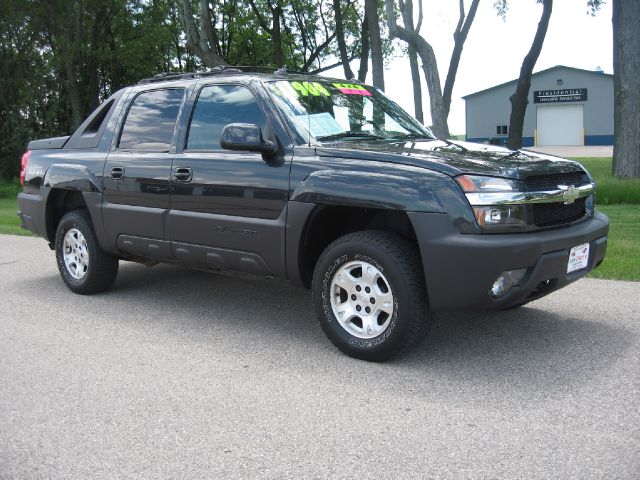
<point>559,96</point>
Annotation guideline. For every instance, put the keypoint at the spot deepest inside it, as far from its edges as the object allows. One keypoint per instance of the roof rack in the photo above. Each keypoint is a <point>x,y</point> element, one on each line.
<point>220,70</point>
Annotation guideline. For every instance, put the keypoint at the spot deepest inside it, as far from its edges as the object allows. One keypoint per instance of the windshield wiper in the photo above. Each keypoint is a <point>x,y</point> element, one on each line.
<point>451,144</point>
<point>413,136</point>
<point>340,135</point>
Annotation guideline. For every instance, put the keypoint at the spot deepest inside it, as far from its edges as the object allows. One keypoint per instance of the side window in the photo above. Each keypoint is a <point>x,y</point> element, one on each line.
<point>217,106</point>
<point>151,121</point>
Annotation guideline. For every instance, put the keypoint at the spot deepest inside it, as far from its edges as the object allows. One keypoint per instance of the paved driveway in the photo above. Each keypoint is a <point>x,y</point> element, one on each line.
<point>576,151</point>
<point>181,374</point>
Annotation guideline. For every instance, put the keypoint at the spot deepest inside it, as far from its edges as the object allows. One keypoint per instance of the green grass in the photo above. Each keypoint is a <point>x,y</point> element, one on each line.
<point>622,261</point>
<point>9,188</point>
<point>9,221</point>
<point>609,189</point>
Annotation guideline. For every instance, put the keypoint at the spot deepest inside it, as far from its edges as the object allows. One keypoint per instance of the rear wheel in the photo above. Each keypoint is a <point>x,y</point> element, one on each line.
<point>370,296</point>
<point>83,265</point>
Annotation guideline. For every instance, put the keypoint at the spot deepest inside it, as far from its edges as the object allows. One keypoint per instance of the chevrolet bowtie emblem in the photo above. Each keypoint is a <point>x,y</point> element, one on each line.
<point>569,193</point>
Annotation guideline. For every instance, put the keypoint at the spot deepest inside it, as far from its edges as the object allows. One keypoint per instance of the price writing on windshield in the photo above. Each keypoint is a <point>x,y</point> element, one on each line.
<point>310,88</point>
<point>352,89</point>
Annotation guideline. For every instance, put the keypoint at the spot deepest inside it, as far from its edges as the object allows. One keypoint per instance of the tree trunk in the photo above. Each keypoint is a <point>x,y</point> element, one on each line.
<point>417,87</point>
<point>364,50</point>
<point>203,41</point>
<point>72,86</point>
<point>519,99</point>
<point>377,62</point>
<point>406,8</point>
<point>342,45</point>
<point>276,35</point>
<point>459,37</point>
<point>429,66</point>
<point>93,85</point>
<point>626,85</point>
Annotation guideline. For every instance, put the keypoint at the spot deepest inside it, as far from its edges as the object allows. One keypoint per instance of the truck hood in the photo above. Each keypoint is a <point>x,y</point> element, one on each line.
<point>453,157</point>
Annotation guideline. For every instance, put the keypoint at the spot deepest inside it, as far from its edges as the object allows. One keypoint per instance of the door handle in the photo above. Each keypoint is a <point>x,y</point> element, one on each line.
<point>117,173</point>
<point>182,174</point>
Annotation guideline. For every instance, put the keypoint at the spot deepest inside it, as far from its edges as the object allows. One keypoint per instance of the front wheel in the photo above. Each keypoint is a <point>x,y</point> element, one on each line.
<point>370,295</point>
<point>84,266</point>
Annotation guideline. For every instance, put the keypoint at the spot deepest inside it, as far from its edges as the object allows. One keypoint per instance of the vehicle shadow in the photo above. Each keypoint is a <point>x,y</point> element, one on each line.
<point>530,352</point>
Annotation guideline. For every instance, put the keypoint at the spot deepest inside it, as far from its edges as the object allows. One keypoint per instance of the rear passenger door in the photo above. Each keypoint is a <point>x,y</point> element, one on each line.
<point>137,174</point>
<point>228,207</point>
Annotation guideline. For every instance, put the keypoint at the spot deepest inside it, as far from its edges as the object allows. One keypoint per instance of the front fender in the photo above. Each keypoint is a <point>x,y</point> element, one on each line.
<point>423,191</point>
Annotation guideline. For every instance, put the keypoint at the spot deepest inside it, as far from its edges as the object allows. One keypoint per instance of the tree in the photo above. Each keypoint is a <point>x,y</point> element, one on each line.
<point>309,17</point>
<point>439,103</point>
<point>276,11</point>
<point>375,41</point>
<point>406,8</point>
<point>364,55</point>
<point>519,99</point>
<point>626,81</point>
<point>340,36</point>
<point>459,38</point>
<point>202,39</point>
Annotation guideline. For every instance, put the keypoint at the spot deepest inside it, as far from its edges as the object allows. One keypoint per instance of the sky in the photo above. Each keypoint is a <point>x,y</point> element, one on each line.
<point>494,49</point>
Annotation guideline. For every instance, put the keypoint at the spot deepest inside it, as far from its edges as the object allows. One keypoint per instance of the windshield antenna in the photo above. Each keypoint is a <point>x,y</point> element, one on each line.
<point>308,116</point>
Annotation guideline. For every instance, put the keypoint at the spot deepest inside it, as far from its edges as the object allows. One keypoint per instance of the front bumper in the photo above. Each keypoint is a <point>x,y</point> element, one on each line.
<point>461,268</point>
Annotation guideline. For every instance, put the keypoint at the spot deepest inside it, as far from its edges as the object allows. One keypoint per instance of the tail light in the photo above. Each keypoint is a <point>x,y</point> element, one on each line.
<point>23,166</point>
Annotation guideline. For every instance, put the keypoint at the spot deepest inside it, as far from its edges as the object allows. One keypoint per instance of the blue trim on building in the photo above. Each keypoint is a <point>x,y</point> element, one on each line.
<point>528,141</point>
<point>598,140</point>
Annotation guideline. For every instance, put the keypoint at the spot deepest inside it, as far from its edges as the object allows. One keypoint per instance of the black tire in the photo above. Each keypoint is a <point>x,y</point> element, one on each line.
<point>399,261</point>
<point>102,268</point>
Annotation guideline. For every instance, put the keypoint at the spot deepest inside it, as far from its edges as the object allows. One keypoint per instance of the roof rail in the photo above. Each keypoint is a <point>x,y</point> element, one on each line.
<point>220,70</point>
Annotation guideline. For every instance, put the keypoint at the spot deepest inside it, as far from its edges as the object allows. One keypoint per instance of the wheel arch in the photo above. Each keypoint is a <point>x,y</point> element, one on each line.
<point>59,202</point>
<point>70,187</point>
<point>326,222</point>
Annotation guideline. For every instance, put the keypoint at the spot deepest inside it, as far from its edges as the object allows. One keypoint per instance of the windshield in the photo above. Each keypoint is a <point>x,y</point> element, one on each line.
<point>328,111</point>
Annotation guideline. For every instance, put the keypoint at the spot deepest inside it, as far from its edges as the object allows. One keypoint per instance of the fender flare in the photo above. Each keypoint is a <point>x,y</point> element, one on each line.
<point>71,177</point>
<point>386,191</point>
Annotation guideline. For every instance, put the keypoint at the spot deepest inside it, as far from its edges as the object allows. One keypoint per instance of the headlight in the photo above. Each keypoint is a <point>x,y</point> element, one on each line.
<point>493,216</point>
<point>477,183</point>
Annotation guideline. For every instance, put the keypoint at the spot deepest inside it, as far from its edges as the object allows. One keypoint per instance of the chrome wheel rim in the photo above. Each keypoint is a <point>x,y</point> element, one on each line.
<point>75,254</point>
<point>361,299</point>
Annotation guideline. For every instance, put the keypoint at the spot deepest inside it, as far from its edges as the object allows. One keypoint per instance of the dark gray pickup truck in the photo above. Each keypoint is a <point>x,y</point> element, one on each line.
<point>322,181</point>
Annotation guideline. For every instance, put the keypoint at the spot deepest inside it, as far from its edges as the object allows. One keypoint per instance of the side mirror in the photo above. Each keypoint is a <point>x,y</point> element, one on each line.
<point>246,136</point>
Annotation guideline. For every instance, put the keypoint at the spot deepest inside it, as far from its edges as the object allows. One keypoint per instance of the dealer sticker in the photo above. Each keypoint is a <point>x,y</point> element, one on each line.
<point>578,258</point>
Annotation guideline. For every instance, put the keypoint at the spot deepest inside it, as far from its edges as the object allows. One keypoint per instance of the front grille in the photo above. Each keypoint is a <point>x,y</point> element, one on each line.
<point>538,183</point>
<point>549,214</point>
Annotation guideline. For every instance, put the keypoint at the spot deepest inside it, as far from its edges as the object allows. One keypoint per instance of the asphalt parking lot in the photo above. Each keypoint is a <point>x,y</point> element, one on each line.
<point>183,374</point>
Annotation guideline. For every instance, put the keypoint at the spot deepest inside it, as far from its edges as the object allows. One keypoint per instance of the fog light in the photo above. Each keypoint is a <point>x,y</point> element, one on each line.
<point>500,216</point>
<point>506,281</point>
<point>493,216</point>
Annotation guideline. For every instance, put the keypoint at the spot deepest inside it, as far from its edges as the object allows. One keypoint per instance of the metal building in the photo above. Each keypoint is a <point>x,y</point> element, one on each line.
<point>567,106</point>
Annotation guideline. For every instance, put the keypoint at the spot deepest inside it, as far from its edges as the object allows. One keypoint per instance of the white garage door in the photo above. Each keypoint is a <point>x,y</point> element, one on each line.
<point>560,125</point>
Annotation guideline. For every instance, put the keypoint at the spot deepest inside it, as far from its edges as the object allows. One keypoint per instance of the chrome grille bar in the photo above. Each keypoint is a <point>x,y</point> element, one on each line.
<point>564,193</point>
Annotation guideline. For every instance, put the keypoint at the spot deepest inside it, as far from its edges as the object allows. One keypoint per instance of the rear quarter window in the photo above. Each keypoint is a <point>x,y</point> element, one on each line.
<point>151,121</point>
